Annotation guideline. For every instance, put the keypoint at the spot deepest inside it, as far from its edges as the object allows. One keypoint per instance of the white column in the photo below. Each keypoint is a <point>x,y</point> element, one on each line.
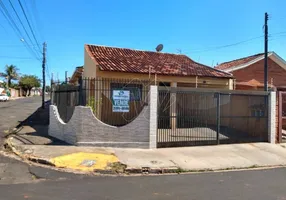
<point>272,117</point>
<point>230,84</point>
<point>153,117</point>
<point>173,107</point>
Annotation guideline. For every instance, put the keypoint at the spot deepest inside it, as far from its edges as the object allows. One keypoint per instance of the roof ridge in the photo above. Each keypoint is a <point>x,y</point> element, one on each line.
<point>258,54</point>
<point>135,49</point>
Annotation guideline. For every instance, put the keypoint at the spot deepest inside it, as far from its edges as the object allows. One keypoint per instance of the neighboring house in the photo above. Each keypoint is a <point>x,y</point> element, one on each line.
<point>1,86</point>
<point>249,71</point>
<point>249,75</point>
<point>36,91</point>
<point>14,92</point>
<point>172,69</point>
<point>77,73</point>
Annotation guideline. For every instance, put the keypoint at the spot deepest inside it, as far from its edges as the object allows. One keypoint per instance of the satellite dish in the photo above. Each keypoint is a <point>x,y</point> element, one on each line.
<point>159,47</point>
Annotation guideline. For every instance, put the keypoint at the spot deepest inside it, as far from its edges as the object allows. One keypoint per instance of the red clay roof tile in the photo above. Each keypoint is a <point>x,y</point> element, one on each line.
<point>240,61</point>
<point>137,61</point>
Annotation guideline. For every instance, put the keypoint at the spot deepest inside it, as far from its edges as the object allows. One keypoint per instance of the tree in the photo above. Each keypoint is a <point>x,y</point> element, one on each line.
<point>11,73</point>
<point>14,85</point>
<point>2,84</point>
<point>27,82</point>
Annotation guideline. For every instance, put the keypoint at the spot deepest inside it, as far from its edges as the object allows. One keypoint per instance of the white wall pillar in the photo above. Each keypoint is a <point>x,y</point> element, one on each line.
<point>153,117</point>
<point>272,117</point>
<point>230,84</point>
<point>173,107</point>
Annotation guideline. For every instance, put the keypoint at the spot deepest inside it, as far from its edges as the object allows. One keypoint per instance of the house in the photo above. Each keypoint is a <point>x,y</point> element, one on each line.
<point>249,71</point>
<point>175,70</point>
<point>76,74</point>
<point>107,69</point>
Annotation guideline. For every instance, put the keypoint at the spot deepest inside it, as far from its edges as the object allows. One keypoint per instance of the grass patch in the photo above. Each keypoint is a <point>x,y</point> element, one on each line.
<point>117,167</point>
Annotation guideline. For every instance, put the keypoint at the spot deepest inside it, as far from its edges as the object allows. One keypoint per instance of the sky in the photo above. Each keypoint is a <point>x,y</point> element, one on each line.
<point>195,28</point>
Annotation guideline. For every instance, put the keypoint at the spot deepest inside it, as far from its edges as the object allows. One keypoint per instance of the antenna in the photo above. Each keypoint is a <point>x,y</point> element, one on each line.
<point>159,47</point>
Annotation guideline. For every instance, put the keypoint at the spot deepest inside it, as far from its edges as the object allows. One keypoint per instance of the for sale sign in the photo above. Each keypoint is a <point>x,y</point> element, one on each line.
<point>120,100</point>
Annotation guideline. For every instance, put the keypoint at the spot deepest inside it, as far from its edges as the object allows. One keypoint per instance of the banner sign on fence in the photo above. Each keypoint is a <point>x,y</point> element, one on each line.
<point>120,100</point>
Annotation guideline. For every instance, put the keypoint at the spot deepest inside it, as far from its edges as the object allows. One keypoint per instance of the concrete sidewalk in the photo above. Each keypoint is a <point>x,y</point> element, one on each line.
<point>203,158</point>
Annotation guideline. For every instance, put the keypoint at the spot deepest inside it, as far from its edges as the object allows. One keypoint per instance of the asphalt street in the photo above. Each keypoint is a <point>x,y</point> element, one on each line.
<point>252,185</point>
<point>13,171</point>
<point>14,111</point>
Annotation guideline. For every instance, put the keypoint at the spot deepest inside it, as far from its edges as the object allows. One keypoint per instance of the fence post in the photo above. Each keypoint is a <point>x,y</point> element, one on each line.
<point>272,117</point>
<point>80,96</point>
<point>218,117</point>
<point>153,117</point>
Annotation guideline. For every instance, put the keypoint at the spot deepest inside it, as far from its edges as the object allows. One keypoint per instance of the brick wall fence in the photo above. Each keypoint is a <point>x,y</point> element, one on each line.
<point>85,129</point>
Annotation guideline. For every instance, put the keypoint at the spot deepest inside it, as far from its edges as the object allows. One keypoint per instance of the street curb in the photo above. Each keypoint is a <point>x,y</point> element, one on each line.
<point>135,171</point>
<point>127,170</point>
<point>27,157</point>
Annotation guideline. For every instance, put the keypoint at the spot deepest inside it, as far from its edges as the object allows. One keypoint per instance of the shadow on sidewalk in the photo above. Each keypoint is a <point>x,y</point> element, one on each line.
<point>34,129</point>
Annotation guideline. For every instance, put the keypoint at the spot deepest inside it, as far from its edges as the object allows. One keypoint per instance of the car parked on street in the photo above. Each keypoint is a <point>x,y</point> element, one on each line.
<point>4,97</point>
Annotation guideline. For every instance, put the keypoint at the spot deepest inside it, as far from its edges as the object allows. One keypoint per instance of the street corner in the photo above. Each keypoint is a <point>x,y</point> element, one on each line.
<point>86,162</point>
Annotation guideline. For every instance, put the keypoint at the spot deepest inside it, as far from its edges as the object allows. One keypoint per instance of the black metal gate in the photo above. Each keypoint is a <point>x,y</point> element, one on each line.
<point>188,117</point>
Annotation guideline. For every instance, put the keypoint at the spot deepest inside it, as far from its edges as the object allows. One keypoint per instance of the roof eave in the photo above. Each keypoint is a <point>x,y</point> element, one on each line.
<point>237,67</point>
<point>227,76</point>
<point>275,57</point>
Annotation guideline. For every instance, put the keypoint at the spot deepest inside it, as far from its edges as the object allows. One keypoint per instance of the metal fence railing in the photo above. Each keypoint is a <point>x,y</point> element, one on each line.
<point>114,101</point>
<point>198,117</point>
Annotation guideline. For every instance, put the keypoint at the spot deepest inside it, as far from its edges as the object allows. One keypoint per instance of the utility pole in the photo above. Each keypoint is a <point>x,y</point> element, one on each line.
<point>44,75</point>
<point>266,52</point>
<point>52,79</point>
<point>58,78</point>
<point>66,76</point>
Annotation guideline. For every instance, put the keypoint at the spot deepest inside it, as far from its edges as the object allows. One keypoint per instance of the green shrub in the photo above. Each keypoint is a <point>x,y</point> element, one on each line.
<point>93,104</point>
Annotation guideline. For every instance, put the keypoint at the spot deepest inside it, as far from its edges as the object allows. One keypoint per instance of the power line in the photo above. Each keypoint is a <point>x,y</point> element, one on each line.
<point>37,43</point>
<point>277,37</point>
<point>14,26</point>
<point>37,18</point>
<point>33,17</point>
<point>279,33</point>
<point>3,28</point>
<point>228,45</point>
<point>20,21</point>
<point>10,19</point>
<point>234,44</point>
